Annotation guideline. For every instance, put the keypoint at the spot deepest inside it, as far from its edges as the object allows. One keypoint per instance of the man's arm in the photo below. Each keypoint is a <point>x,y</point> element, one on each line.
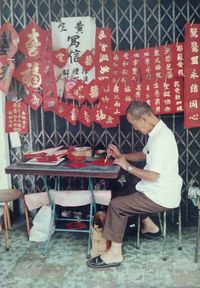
<point>140,173</point>
<point>143,174</point>
<point>135,156</point>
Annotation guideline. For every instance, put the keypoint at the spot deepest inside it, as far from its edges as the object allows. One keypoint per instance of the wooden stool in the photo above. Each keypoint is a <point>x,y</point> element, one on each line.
<point>6,196</point>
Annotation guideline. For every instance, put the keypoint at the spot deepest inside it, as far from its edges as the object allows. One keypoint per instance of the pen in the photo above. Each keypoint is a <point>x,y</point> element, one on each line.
<point>105,160</point>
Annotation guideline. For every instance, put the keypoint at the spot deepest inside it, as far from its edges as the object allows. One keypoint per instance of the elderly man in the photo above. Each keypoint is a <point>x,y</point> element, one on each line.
<point>158,190</point>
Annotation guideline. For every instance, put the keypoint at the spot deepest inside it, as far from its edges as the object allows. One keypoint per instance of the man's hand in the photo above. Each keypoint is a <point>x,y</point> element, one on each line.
<point>121,161</point>
<point>113,151</point>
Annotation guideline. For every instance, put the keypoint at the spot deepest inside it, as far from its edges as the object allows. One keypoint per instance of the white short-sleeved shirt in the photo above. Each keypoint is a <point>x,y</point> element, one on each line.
<point>162,157</point>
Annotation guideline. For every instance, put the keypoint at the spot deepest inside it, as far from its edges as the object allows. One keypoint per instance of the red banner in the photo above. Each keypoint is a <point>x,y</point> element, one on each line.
<point>192,78</point>
<point>85,115</point>
<point>6,72</point>
<point>8,40</point>
<point>50,97</point>
<point>34,100</point>
<point>28,74</point>
<point>87,60</point>
<point>32,40</point>
<point>103,68</point>
<point>16,117</point>
<point>71,113</point>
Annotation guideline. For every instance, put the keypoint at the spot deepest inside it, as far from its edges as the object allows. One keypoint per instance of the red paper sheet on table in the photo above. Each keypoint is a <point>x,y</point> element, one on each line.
<point>100,162</point>
<point>77,164</point>
<point>47,158</point>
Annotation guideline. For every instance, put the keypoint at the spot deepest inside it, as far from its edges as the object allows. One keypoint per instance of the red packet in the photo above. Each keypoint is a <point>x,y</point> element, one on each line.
<point>100,162</point>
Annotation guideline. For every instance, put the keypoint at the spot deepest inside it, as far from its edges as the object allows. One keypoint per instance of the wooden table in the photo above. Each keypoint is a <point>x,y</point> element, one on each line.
<point>90,172</point>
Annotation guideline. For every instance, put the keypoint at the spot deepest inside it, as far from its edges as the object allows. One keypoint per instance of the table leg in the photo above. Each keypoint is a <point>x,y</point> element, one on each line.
<point>197,238</point>
<point>91,188</point>
<point>51,226</point>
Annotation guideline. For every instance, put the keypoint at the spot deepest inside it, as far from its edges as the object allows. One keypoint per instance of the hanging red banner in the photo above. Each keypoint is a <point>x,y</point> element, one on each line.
<point>173,58</point>
<point>103,68</point>
<point>34,100</point>
<point>79,91</point>
<point>50,97</point>
<point>32,40</point>
<point>28,74</point>
<point>69,84</point>
<point>8,40</point>
<point>6,72</point>
<point>93,91</point>
<point>60,109</point>
<point>100,114</point>
<point>71,113</point>
<point>128,94</point>
<point>164,96</point>
<point>192,78</point>
<point>85,115</point>
<point>60,57</point>
<point>192,113</point>
<point>87,60</point>
<point>110,121</point>
<point>16,117</point>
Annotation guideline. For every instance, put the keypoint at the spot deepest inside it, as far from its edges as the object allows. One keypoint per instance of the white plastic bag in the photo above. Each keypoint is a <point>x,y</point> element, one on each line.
<point>42,225</point>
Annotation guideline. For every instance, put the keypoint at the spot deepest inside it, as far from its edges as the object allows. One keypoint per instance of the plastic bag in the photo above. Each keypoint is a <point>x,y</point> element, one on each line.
<point>99,244</point>
<point>42,226</point>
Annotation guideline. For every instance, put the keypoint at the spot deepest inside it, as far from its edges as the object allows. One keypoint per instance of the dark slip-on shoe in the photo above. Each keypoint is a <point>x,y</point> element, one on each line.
<point>151,235</point>
<point>97,262</point>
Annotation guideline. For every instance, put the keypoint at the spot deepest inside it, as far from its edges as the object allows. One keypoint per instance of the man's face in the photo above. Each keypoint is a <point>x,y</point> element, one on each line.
<point>140,124</point>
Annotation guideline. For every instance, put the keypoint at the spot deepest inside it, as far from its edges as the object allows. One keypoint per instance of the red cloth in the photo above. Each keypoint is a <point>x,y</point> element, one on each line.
<point>75,225</point>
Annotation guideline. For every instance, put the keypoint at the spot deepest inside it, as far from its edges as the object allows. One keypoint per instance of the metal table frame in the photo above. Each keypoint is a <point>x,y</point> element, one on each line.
<point>90,172</point>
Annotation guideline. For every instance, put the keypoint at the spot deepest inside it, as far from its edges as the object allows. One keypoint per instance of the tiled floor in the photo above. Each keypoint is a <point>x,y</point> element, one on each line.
<point>65,264</point>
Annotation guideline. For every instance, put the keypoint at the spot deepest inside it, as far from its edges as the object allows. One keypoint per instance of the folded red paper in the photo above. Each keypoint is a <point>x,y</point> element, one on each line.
<point>47,158</point>
<point>77,164</point>
<point>101,162</point>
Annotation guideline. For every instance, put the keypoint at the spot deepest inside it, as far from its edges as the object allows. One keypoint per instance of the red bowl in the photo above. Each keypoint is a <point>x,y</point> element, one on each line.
<point>76,158</point>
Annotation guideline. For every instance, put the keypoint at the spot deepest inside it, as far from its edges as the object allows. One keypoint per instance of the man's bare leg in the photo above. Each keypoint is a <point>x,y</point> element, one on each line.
<point>149,226</point>
<point>114,254</point>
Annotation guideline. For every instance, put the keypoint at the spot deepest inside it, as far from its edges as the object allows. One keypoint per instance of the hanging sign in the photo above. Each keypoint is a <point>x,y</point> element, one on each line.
<point>50,97</point>
<point>8,40</point>
<point>85,115</point>
<point>28,74</point>
<point>77,35</point>
<point>16,117</point>
<point>34,100</point>
<point>6,72</point>
<point>32,40</point>
<point>192,76</point>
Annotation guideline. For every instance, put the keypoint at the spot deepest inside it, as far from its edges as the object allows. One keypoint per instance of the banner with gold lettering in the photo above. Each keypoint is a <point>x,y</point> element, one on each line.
<point>16,117</point>
<point>28,74</point>
<point>50,96</point>
<point>192,76</point>
<point>32,40</point>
